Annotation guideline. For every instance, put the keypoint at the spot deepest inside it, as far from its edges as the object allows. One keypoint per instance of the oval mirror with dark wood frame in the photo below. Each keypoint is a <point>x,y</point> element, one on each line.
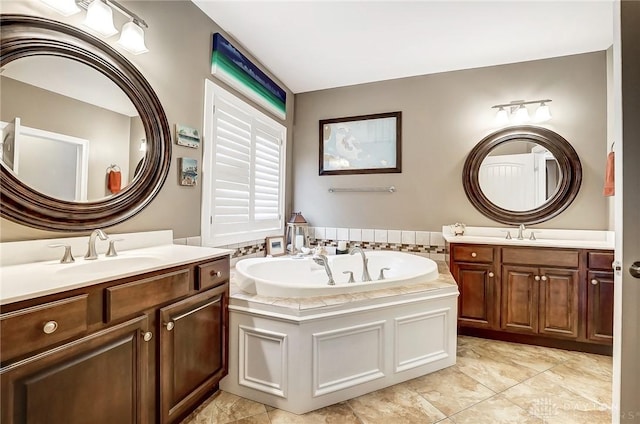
<point>28,36</point>
<point>559,181</point>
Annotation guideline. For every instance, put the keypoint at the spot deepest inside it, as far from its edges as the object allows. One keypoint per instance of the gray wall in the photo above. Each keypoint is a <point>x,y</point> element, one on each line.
<point>444,115</point>
<point>179,40</point>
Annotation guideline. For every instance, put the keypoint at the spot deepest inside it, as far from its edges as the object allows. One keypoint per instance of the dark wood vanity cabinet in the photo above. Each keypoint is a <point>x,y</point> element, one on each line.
<point>193,349</point>
<point>473,269</point>
<point>548,296</point>
<point>105,354</point>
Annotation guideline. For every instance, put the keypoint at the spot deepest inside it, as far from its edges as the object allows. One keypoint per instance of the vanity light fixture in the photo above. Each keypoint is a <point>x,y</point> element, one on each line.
<point>519,112</point>
<point>99,18</point>
<point>63,7</point>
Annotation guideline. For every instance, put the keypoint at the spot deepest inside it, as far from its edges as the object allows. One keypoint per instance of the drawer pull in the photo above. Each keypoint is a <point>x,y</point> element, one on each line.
<point>474,254</point>
<point>491,274</point>
<point>50,327</point>
<point>216,274</point>
<point>594,282</point>
<point>147,336</point>
<point>544,278</point>
<point>537,278</point>
<point>169,325</point>
<point>193,311</point>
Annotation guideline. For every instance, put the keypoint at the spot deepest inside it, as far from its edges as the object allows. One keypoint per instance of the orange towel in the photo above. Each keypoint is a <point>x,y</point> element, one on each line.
<point>609,174</point>
<point>115,181</point>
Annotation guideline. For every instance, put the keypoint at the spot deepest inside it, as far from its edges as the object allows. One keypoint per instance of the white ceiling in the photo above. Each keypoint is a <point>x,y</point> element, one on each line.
<point>314,45</point>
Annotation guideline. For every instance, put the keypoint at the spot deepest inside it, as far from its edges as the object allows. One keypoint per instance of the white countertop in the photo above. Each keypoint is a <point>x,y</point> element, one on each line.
<point>576,239</point>
<point>34,279</point>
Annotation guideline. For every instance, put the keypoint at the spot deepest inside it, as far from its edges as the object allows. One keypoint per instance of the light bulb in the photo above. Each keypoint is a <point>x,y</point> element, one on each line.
<point>522,114</point>
<point>502,117</point>
<point>100,18</point>
<point>64,7</point>
<point>542,113</point>
<point>132,38</point>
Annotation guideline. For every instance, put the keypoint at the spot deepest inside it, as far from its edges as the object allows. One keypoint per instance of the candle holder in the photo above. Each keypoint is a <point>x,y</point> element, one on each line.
<point>297,234</point>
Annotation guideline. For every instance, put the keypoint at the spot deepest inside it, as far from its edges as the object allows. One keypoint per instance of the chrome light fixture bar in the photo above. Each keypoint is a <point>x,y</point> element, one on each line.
<point>518,110</point>
<point>99,18</point>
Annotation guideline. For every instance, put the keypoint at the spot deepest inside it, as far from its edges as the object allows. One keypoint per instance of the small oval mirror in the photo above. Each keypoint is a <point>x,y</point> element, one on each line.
<point>522,175</point>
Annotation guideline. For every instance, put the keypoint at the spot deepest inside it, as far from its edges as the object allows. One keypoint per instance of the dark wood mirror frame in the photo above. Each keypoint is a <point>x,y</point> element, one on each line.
<point>24,36</point>
<point>568,186</point>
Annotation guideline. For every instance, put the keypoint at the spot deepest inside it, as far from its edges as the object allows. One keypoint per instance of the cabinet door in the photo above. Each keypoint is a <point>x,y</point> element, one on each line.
<point>600,306</point>
<point>100,378</point>
<point>193,350</point>
<point>519,312</point>
<point>559,302</point>
<point>476,300</point>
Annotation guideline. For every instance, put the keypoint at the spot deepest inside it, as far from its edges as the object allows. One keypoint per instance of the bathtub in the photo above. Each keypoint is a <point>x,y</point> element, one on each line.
<point>301,277</point>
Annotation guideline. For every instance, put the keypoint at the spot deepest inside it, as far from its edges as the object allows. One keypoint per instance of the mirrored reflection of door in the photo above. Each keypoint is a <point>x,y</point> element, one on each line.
<point>51,163</point>
<point>509,181</point>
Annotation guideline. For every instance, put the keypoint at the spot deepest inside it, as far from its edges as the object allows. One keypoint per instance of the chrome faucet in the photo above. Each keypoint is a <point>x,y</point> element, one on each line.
<point>91,250</point>
<point>521,229</point>
<point>365,263</point>
<point>322,260</point>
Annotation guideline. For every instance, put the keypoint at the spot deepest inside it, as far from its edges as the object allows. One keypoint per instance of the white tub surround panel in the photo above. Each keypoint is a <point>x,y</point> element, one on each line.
<point>579,239</point>
<point>303,354</point>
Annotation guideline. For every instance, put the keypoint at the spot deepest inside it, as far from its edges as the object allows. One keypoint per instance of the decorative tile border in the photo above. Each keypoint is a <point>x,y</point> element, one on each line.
<point>399,247</point>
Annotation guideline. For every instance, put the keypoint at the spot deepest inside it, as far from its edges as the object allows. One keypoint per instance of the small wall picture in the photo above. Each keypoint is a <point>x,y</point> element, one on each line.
<point>275,246</point>
<point>188,171</point>
<point>187,136</point>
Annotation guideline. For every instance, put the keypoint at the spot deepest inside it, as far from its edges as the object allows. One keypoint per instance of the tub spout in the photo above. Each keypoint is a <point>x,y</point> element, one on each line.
<point>322,260</point>
<point>365,263</point>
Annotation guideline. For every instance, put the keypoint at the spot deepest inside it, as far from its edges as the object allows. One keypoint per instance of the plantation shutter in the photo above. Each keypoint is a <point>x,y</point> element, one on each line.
<point>247,173</point>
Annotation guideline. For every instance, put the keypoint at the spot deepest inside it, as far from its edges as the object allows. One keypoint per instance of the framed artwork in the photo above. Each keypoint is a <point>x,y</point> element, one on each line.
<point>275,246</point>
<point>368,144</point>
<point>188,171</point>
<point>187,136</point>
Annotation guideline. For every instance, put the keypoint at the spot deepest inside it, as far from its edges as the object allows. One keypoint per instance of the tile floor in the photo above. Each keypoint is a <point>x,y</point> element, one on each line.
<point>492,382</point>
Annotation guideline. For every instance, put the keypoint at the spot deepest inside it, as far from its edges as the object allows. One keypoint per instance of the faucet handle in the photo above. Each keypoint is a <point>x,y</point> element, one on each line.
<point>351,279</point>
<point>67,258</point>
<point>112,248</point>
<point>533,235</point>
<point>381,275</point>
<point>508,236</point>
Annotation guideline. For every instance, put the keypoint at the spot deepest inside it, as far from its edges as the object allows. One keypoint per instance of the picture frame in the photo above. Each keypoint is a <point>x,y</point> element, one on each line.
<point>366,144</point>
<point>187,136</point>
<point>188,172</point>
<point>275,246</point>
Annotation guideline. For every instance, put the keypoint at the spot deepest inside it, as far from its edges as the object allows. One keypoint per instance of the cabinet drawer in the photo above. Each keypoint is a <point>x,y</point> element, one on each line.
<point>538,256</point>
<point>34,328</point>
<point>600,260</point>
<point>212,274</point>
<point>469,253</point>
<point>127,299</point>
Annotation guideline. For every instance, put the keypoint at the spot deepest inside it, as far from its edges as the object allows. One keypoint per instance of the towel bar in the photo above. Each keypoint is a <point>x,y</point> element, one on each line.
<point>390,189</point>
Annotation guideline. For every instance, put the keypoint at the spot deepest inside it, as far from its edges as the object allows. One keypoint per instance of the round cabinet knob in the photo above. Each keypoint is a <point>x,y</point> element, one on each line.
<point>170,325</point>
<point>147,336</point>
<point>50,327</point>
<point>491,274</point>
<point>215,273</point>
<point>594,282</point>
<point>537,278</point>
<point>544,278</point>
<point>474,254</point>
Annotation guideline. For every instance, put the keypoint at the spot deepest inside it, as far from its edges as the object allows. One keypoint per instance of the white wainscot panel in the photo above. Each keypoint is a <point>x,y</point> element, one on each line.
<point>263,360</point>
<point>347,357</point>
<point>420,339</point>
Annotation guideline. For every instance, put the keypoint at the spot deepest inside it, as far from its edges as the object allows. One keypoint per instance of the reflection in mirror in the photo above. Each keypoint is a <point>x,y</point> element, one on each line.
<point>61,135</point>
<point>519,175</point>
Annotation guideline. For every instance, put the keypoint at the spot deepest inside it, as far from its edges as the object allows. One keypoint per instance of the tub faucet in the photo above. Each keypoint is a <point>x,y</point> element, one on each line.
<point>91,250</point>
<point>365,263</point>
<point>322,260</point>
<point>521,229</point>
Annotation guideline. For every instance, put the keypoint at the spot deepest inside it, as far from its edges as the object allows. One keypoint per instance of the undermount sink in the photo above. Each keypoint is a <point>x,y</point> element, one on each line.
<point>108,264</point>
